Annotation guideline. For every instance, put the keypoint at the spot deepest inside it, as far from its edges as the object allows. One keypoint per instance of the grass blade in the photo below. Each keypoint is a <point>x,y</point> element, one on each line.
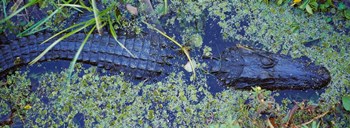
<point>87,23</point>
<point>15,6</point>
<point>115,37</point>
<point>32,2</point>
<point>97,18</point>
<point>184,49</point>
<point>165,11</point>
<point>71,27</point>
<point>76,6</point>
<point>34,31</point>
<point>162,33</point>
<point>102,13</point>
<point>71,66</point>
<point>4,7</point>
<point>30,30</point>
<point>36,59</point>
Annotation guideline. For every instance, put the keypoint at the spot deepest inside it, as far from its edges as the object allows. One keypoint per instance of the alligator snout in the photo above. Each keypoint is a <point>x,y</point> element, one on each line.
<point>288,73</point>
<point>325,76</point>
<point>244,69</point>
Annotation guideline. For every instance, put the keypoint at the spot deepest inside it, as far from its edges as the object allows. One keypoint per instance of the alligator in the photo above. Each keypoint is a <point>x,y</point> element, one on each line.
<point>237,67</point>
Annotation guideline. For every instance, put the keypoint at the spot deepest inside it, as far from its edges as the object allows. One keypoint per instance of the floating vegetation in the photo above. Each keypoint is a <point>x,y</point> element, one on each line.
<point>95,99</point>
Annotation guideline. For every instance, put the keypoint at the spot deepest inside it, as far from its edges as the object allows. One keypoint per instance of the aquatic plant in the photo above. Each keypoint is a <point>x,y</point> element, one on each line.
<point>310,6</point>
<point>95,99</point>
<point>346,102</point>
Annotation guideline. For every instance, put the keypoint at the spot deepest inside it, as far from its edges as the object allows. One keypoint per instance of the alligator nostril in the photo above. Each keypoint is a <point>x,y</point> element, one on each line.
<point>267,62</point>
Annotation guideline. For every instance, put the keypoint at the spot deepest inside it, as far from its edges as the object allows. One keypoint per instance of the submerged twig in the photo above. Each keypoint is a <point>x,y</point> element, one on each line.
<point>315,118</point>
<point>291,113</point>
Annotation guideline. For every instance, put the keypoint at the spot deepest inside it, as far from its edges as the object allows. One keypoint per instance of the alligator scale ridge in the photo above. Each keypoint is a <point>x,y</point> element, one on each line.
<point>239,67</point>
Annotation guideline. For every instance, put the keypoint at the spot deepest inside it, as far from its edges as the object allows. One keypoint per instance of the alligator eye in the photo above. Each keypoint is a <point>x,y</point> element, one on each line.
<point>267,62</point>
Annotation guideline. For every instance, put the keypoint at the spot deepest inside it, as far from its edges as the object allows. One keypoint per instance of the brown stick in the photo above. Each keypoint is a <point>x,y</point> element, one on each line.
<point>292,112</point>
<point>315,118</point>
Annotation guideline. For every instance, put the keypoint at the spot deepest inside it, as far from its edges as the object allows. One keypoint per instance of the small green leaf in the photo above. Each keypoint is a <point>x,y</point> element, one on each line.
<point>303,6</point>
<point>329,2</point>
<point>309,9</point>
<point>150,115</point>
<point>341,6</point>
<point>324,7</point>
<point>346,102</point>
<point>294,28</point>
<point>347,14</point>
<point>313,4</point>
<point>279,2</point>
<point>315,124</point>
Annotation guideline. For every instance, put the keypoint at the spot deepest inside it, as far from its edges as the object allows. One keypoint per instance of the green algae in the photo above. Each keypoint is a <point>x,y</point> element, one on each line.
<point>106,100</point>
<point>110,100</point>
<point>173,102</point>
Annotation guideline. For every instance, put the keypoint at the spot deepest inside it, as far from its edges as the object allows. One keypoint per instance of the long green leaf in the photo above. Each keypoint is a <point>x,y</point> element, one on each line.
<point>303,6</point>
<point>57,41</point>
<point>87,23</point>
<point>162,33</point>
<point>76,6</point>
<point>4,7</point>
<point>97,18</point>
<point>165,11</point>
<point>31,29</point>
<point>35,31</point>
<point>32,2</point>
<point>102,13</point>
<point>111,28</point>
<point>71,66</point>
<point>71,27</point>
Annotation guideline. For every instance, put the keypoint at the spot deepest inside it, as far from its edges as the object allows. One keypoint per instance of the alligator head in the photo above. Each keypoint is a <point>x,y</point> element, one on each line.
<point>244,68</point>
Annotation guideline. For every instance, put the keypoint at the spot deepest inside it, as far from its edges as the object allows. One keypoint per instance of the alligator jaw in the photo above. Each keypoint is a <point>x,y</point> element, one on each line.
<point>269,71</point>
<point>286,74</point>
<point>296,74</point>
